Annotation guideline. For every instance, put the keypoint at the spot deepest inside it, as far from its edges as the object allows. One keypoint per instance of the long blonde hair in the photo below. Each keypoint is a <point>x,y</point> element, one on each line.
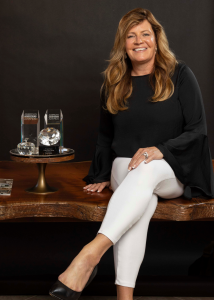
<point>117,85</point>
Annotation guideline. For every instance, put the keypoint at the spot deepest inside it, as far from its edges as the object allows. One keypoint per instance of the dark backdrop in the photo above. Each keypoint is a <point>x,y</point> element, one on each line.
<point>52,53</point>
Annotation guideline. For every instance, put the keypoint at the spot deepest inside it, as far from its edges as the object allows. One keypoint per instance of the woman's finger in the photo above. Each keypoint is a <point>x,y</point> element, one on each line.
<point>94,187</point>
<point>102,186</point>
<point>153,153</point>
<point>138,157</point>
<point>97,187</point>
<point>87,186</point>
<point>150,158</point>
<point>137,161</point>
<point>145,161</point>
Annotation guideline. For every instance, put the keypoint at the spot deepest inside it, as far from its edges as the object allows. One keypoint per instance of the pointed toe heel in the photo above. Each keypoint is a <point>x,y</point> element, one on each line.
<point>62,292</point>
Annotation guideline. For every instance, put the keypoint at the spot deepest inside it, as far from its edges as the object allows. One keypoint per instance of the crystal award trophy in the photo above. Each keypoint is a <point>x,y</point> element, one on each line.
<point>30,126</point>
<point>54,118</point>
<point>49,139</point>
<point>26,148</point>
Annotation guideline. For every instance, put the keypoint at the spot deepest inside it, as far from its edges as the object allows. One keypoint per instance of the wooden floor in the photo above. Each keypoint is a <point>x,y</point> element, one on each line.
<point>103,298</point>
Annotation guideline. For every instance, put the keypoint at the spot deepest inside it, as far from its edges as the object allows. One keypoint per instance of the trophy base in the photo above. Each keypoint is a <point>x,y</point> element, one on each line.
<point>48,150</point>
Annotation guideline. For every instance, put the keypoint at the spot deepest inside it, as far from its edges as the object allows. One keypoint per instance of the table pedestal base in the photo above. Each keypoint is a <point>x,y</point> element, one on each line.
<point>41,187</point>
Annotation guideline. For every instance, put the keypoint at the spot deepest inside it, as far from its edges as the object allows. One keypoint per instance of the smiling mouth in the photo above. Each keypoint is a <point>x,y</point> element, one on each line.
<point>140,49</point>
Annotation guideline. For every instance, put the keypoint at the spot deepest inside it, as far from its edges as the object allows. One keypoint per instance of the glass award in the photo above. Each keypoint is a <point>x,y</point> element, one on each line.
<point>49,138</point>
<point>30,126</point>
<point>26,148</point>
<point>54,118</point>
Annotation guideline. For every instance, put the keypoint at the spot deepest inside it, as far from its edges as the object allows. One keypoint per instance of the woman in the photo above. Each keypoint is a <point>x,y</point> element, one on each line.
<point>152,142</point>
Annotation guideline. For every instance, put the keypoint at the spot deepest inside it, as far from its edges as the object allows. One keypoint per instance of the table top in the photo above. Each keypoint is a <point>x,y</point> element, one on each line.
<point>64,155</point>
<point>71,202</point>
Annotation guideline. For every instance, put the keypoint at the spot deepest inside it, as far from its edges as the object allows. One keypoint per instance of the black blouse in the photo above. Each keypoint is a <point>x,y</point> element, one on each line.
<point>176,126</point>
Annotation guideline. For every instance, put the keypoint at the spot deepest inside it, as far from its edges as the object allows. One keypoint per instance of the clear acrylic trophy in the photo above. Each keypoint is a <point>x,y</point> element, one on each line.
<point>30,126</point>
<point>51,139</point>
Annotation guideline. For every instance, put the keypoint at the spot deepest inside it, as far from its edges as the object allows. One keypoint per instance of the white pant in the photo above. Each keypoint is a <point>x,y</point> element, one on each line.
<point>130,209</point>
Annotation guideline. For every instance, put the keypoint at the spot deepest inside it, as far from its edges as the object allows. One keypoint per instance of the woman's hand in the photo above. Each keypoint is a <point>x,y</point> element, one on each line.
<point>97,186</point>
<point>153,153</point>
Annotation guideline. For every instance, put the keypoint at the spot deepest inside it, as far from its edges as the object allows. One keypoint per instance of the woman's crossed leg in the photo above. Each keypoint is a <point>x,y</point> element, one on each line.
<point>130,209</point>
<point>128,213</point>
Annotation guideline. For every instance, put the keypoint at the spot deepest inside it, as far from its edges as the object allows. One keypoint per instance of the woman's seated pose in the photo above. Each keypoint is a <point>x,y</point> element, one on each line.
<point>152,142</point>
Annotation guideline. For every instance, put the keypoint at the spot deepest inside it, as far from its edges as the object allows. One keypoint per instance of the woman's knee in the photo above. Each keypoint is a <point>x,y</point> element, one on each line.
<point>145,173</point>
<point>153,172</point>
<point>169,188</point>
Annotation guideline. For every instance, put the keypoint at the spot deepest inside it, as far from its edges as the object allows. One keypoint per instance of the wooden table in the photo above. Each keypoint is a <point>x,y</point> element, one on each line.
<point>72,203</point>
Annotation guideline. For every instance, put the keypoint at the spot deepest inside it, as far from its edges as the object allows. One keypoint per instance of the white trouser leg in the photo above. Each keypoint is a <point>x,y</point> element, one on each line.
<point>130,209</point>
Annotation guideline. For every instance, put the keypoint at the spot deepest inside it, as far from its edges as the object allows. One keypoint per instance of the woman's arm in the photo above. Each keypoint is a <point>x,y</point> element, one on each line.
<point>100,168</point>
<point>189,153</point>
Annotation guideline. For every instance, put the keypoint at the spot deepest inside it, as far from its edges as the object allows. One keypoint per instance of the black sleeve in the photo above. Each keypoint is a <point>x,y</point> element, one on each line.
<point>100,168</point>
<point>189,154</point>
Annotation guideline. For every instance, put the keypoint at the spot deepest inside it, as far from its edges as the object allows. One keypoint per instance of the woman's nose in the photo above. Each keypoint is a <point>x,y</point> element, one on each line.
<point>138,40</point>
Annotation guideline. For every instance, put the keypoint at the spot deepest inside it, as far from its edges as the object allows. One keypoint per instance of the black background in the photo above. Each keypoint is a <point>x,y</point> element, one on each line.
<point>52,53</point>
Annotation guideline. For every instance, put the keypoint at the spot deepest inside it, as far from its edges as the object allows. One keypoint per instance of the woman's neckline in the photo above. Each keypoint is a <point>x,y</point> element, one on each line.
<point>140,75</point>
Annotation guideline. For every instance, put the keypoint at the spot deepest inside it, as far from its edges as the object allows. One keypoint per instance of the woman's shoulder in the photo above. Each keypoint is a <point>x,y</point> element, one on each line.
<point>184,70</point>
<point>185,73</point>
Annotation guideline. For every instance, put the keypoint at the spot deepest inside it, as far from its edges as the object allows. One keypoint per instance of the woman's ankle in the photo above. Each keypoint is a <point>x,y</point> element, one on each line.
<point>93,258</point>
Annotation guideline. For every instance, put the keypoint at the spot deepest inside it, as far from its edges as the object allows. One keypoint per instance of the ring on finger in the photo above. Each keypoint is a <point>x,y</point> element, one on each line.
<point>146,155</point>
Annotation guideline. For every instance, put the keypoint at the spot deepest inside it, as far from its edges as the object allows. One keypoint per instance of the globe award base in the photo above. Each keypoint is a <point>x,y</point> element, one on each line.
<point>41,187</point>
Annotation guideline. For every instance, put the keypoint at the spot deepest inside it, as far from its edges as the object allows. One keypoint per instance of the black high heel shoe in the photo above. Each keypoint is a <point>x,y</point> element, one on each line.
<point>62,292</point>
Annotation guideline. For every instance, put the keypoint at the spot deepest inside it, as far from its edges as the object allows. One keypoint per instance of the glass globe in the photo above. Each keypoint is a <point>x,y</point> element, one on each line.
<point>49,136</point>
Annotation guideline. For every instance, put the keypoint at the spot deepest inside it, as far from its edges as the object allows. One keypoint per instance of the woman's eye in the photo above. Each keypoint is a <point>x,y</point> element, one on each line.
<point>132,35</point>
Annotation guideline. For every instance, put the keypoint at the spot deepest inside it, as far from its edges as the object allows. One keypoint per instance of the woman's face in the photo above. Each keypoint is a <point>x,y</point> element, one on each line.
<point>139,37</point>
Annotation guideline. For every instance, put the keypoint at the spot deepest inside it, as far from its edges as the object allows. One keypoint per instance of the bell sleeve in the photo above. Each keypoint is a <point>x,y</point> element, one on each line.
<point>100,168</point>
<point>189,153</point>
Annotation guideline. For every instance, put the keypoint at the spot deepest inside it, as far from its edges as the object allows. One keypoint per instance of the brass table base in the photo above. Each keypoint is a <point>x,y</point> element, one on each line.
<point>41,187</point>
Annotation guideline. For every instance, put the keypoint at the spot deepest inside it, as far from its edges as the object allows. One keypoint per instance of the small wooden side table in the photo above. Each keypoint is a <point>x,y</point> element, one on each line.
<point>42,187</point>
